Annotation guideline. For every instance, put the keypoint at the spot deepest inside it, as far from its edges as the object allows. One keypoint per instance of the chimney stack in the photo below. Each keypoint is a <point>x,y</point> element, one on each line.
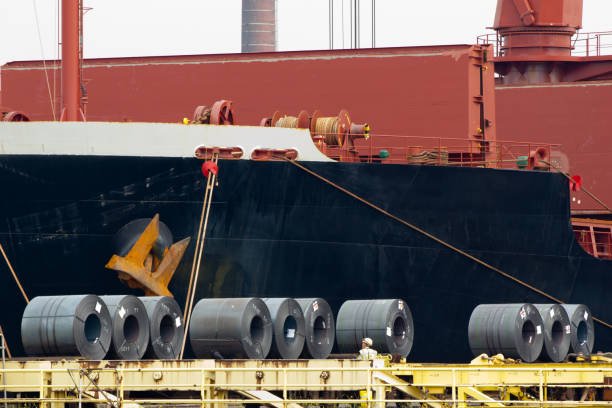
<point>258,25</point>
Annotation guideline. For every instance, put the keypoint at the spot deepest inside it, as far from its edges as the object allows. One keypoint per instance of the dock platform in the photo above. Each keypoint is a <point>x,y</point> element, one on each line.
<point>303,383</point>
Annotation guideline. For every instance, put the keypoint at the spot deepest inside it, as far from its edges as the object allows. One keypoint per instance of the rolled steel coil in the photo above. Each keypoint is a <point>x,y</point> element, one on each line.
<point>388,322</point>
<point>557,332</point>
<point>514,330</point>
<point>231,328</point>
<point>166,330</point>
<point>583,331</point>
<point>130,332</point>
<point>320,328</point>
<point>76,325</point>
<point>288,328</point>
<point>127,236</point>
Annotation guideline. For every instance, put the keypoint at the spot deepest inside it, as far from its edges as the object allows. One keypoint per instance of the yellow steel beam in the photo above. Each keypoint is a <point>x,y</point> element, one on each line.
<point>481,397</point>
<point>403,386</point>
<point>268,396</point>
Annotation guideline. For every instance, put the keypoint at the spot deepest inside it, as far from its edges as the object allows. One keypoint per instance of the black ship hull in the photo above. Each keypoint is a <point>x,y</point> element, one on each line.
<point>277,231</point>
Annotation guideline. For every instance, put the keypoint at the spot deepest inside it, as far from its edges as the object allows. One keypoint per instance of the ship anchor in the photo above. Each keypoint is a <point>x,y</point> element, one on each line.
<point>140,268</point>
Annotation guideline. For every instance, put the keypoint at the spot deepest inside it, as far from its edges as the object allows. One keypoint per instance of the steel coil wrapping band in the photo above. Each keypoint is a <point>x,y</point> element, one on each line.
<point>288,327</point>
<point>320,328</point>
<point>166,328</point>
<point>583,331</point>
<point>388,322</point>
<point>557,332</point>
<point>231,328</point>
<point>514,330</point>
<point>76,325</point>
<point>130,330</point>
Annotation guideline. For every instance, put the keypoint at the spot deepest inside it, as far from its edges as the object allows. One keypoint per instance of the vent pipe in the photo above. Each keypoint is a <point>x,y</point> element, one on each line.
<point>258,25</point>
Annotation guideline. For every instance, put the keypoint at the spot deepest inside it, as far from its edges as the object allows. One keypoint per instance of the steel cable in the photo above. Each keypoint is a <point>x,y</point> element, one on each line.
<point>436,239</point>
<point>43,59</point>
<point>14,274</point>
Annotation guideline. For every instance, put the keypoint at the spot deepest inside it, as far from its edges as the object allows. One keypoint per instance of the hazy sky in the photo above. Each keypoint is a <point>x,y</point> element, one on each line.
<point>115,28</point>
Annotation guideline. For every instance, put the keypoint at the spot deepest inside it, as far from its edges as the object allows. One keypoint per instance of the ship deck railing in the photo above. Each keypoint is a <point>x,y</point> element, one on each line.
<point>297,383</point>
<point>583,44</point>
<point>431,150</point>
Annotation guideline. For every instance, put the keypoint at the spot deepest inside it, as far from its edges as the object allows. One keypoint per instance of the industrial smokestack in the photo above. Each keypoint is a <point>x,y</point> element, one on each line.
<point>258,25</point>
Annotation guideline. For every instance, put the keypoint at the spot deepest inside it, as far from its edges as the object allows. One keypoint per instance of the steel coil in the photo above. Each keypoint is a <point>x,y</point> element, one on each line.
<point>166,330</point>
<point>130,331</point>
<point>514,330</point>
<point>583,331</point>
<point>288,328</point>
<point>127,236</point>
<point>388,322</point>
<point>320,328</point>
<point>557,332</point>
<point>77,325</point>
<point>231,328</point>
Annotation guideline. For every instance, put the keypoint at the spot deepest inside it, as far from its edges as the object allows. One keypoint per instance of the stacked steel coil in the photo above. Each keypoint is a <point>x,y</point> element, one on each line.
<point>231,328</point>
<point>320,328</point>
<point>165,327</point>
<point>287,327</point>
<point>126,327</point>
<point>557,332</point>
<point>531,332</point>
<point>130,327</point>
<point>514,330</point>
<point>97,327</point>
<point>77,325</point>
<point>387,322</point>
<point>582,329</point>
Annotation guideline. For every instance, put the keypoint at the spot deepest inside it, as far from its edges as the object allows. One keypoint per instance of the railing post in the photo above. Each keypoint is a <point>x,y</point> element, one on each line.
<point>369,387</point>
<point>284,387</point>
<point>42,388</point>
<point>454,390</point>
<point>587,45</point>
<point>80,388</point>
<point>121,376</point>
<point>598,36</point>
<point>541,388</point>
<point>203,394</point>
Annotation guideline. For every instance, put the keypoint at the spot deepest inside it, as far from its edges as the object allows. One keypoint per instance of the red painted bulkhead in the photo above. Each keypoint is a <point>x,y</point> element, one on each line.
<point>421,91</point>
<point>576,115</point>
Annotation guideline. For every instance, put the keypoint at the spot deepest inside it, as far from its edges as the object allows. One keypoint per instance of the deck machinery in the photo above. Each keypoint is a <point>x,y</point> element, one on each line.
<point>299,383</point>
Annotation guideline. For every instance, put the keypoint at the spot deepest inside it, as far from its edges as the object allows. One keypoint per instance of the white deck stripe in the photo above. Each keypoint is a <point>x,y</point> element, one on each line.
<point>146,139</point>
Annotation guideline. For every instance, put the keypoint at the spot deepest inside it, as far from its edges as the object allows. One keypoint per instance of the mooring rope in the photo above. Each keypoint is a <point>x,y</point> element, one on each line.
<point>193,279</point>
<point>593,196</point>
<point>14,274</point>
<point>287,122</point>
<point>328,127</point>
<point>436,239</point>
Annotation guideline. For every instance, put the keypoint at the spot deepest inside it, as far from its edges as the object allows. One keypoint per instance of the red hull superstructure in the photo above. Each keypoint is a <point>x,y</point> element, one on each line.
<point>425,92</point>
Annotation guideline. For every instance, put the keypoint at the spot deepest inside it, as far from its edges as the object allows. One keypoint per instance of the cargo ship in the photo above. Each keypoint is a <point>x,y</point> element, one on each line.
<point>501,234</point>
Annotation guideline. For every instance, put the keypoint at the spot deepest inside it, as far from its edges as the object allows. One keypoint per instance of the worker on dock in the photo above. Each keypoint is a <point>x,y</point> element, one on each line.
<point>367,352</point>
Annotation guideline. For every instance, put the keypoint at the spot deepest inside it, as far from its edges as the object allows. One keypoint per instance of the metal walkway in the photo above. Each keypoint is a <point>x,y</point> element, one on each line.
<point>301,383</point>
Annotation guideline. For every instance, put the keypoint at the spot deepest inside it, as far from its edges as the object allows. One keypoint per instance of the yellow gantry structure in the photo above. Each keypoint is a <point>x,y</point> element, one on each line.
<point>303,383</point>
